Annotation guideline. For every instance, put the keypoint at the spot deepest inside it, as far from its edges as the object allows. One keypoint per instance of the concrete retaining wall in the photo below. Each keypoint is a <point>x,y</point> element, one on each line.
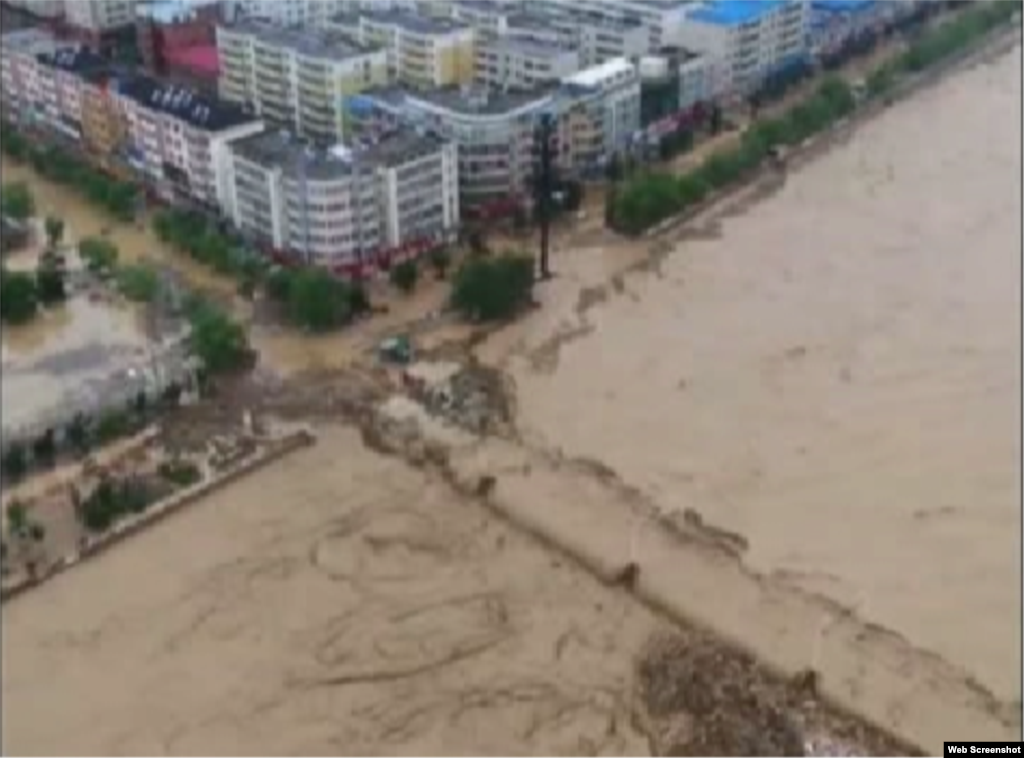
<point>127,527</point>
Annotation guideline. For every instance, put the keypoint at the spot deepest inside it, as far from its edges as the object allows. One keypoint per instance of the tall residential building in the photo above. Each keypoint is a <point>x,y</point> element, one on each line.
<point>506,63</point>
<point>296,77</point>
<point>99,15</point>
<point>493,132</point>
<point>285,12</point>
<point>597,39</point>
<point>608,96</point>
<point>339,208</point>
<point>746,40</point>
<point>20,92</point>
<point>41,8</point>
<point>660,19</point>
<point>60,78</point>
<point>180,139</point>
<point>422,52</point>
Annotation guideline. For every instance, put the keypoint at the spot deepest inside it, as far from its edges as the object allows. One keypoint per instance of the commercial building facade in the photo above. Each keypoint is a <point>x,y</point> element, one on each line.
<point>296,77</point>
<point>422,52</point>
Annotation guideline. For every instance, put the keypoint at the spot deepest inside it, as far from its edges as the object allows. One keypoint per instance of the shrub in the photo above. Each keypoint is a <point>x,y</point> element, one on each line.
<point>405,275</point>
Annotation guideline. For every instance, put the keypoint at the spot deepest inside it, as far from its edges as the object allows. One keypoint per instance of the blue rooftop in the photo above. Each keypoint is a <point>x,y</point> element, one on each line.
<point>842,6</point>
<point>734,12</point>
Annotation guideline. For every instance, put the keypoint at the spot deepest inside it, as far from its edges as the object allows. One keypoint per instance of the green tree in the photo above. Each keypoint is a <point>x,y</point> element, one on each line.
<point>487,289</point>
<point>54,230</point>
<point>17,518</point>
<point>100,255</point>
<point>317,300</point>
<point>19,297</point>
<point>78,434</point>
<point>50,282</point>
<point>16,201</point>
<point>278,284</point>
<point>440,259</point>
<point>405,275</point>
<point>139,282</point>
<point>216,340</point>
<point>15,461</point>
<point>44,449</point>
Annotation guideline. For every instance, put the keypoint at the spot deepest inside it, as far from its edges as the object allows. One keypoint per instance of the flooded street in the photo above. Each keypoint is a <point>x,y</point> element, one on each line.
<point>833,375</point>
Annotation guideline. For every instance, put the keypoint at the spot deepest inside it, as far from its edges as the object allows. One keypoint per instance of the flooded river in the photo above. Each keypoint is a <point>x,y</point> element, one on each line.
<point>834,374</point>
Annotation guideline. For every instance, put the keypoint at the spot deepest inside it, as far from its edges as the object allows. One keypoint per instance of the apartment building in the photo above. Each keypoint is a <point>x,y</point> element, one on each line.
<point>747,40</point>
<point>606,99</point>
<point>696,80</point>
<point>104,130</point>
<point>493,132</point>
<point>296,77</point>
<point>596,39</point>
<point>99,15</point>
<point>60,78</point>
<point>660,19</point>
<point>285,12</point>
<point>20,93</point>
<point>179,140</point>
<point>422,52</point>
<point>49,9</point>
<point>341,209</point>
<point>506,63</point>
<point>833,22</point>
<point>165,26</point>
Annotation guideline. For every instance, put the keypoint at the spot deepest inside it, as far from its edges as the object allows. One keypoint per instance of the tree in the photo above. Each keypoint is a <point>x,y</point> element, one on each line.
<point>50,282</point>
<point>139,282</point>
<point>216,340</point>
<point>54,230</point>
<point>44,449</point>
<point>440,259</point>
<point>100,255</point>
<point>613,169</point>
<point>358,299</point>
<point>405,275</point>
<point>77,433</point>
<point>15,461</point>
<point>17,518</point>
<point>487,289</point>
<point>19,296</point>
<point>317,300</point>
<point>16,201</point>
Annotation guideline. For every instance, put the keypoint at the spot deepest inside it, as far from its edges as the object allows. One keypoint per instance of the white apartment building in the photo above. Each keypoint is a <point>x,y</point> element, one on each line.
<point>337,208</point>
<point>493,132</point>
<point>505,63</point>
<point>99,16</point>
<point>596,39</point>
<point>746,40</point>
<point>42,8</point>
<point>59,78</point>
<point>661,19</point>
<point>20,89</point>
<point>609,96</point>
<point>286,12</point>
<point>296,77</point>
<point>696,80</point>
<point>422,52</point>
<point>180,140</point>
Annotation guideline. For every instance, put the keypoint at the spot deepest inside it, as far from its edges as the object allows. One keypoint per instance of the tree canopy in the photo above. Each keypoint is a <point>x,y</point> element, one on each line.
<point>100,255</point>
<point>16,201</point>
<point>489,289</point>
<point>19,296</point>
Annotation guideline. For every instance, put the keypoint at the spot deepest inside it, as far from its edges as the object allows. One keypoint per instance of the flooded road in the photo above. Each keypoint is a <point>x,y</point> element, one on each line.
<point>834,375</point>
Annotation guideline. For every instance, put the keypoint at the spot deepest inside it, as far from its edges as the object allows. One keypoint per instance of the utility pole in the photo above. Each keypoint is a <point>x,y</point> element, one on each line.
<point>544,186</point>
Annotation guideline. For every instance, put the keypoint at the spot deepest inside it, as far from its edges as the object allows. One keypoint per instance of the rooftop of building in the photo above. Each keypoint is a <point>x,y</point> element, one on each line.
<point>478,101</point>
<point>197,110</point>
<point>528,47</point>
<point>74,60</point>
<point>734,12</point>
<point>315,43</point>
<point>202,59</point>
<point>407,20</point>
<point>400,147</point>
<point>842,6</point>
<point>681,54</point>
<point>282,149</point>
<point>27,40</point>
<point>595,75</point>
<point>171,11</point>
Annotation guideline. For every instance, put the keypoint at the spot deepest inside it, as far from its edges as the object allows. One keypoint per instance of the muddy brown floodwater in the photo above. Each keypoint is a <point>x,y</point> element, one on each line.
<point>833,374</point>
